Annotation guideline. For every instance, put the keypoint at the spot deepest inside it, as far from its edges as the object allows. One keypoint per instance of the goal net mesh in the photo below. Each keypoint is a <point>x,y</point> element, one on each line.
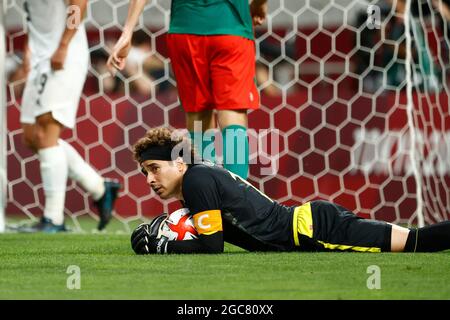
<point>357,122</point>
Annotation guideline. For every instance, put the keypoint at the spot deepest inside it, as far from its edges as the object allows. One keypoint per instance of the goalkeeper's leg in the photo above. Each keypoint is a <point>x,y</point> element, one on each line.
<point>197,123</point>
<point>335,224</point>
<point>432,238</point>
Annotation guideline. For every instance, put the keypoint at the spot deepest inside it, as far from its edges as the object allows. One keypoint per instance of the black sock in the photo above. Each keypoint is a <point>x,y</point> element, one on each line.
<point>432,238</point>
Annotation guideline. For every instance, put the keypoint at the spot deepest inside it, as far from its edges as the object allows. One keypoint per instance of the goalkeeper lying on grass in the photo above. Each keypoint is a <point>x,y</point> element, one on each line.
<point>226,208</point>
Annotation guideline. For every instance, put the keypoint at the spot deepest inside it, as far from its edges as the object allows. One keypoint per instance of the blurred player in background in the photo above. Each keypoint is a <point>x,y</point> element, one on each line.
<point>227,208</point>
<point>212,51</point>
<point>59,62</point>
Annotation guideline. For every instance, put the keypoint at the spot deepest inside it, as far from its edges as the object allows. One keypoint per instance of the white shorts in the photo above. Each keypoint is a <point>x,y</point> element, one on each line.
<point>57,92</point>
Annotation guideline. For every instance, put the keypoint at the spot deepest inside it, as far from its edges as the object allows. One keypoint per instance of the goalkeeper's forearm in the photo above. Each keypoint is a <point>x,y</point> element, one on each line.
<point>204,244</point>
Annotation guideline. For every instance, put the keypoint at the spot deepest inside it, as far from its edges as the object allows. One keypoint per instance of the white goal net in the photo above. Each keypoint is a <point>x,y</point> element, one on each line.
<point>358,91</point>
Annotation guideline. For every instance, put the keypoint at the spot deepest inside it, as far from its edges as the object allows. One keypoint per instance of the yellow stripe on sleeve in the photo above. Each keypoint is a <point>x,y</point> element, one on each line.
<point>208,222</point>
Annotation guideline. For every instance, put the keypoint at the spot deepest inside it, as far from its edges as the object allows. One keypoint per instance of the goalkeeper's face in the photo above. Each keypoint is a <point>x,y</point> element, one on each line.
<point>165,177</point>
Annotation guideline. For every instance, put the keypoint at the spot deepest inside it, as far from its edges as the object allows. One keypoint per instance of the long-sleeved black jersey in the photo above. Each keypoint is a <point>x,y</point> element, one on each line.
<point>249,219</point>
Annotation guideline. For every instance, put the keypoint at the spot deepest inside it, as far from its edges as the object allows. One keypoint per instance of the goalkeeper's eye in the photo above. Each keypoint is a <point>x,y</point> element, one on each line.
<point>144,172</point>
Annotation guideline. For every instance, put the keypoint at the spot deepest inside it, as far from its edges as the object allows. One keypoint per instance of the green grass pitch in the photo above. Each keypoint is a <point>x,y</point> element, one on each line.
<point>34,266</point>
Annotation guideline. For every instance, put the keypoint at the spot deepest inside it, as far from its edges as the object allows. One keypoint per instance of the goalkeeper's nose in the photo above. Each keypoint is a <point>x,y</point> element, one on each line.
<point>151,179</point>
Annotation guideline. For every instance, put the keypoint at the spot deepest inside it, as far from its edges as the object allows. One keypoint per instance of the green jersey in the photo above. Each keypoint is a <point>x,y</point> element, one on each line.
<point>211,17</point>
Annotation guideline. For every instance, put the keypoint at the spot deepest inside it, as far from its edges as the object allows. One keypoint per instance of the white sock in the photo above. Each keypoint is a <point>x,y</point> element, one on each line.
<point>54,169</point>
<point>83,173</point>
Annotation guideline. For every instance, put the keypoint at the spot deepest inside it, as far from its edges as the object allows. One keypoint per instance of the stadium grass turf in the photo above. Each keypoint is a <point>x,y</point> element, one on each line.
<point>34,266</point>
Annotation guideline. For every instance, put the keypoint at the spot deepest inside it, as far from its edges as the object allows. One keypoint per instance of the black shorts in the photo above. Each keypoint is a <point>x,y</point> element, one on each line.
<point>324,226</point>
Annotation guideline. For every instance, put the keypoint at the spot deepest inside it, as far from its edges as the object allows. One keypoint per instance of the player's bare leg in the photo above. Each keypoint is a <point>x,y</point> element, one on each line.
<point>28,136</point>
<point>43,134</point>
<point>197,123</point>
<point>206,118</point>
<point>233,124</point>
<point>228,118</point>
<point>431,238</point>
<point>399,236</point>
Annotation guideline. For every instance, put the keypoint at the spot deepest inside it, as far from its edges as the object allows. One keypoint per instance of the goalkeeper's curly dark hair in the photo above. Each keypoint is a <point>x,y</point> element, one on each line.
<point>163,136</point>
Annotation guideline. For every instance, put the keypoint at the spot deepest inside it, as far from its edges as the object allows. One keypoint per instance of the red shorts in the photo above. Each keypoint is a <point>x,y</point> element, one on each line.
<point>214,72</point>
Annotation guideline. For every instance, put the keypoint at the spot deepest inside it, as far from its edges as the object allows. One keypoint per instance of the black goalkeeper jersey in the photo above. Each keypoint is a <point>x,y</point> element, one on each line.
<point>250,219</point>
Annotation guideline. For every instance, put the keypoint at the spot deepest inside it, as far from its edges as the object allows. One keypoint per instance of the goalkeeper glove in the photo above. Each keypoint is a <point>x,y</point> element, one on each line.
<point>146,237</point>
